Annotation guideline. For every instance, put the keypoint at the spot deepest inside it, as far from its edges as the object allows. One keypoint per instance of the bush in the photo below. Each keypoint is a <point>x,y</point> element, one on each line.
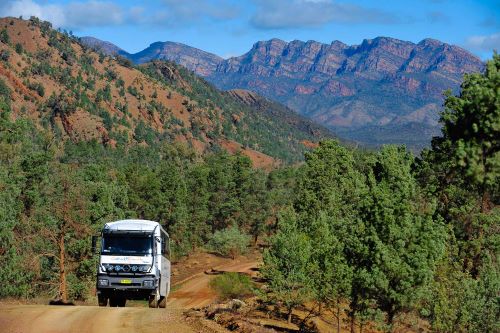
<point>124,61</point>
<point>232,285</point>
<point>229,242</point>
<point>19,48</point>
<point>4,55</point>
<point>4,37</point>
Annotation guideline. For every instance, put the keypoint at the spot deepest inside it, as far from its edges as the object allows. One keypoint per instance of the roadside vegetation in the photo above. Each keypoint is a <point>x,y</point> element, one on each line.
<point>229,242</point>
<point>232,286</point>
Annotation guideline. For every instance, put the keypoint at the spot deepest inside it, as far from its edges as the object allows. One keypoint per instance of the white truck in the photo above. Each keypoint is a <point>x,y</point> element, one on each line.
<point>134,263</point>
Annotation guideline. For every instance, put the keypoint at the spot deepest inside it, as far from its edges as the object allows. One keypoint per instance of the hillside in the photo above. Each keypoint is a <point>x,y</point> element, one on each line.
<point>84,95</point>
<point>384,90</point>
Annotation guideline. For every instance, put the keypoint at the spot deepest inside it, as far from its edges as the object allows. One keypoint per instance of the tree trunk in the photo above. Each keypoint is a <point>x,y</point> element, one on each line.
<point>338,318</point>
<point>390,318</point>
<point>353,329</point>
<point>63,292</point>
<point>485,201</point>
<point>289,318</point>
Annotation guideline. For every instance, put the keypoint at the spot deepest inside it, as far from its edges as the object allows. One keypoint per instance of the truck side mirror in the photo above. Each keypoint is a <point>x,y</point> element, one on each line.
<point>94,244</point>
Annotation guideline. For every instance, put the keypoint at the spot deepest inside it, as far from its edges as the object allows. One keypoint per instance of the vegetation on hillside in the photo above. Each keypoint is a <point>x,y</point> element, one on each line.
<point>80,94</point>
<point>264,127</point>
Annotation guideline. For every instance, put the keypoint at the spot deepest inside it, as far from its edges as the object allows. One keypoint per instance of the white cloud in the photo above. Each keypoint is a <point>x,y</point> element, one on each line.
<point>70,15</point>
<point>282,14</point>
<point>27,8</point>
<point>484,43</point>
<point>91,13</point>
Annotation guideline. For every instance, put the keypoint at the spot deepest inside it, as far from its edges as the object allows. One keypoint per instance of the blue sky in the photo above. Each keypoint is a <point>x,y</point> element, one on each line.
<point>229,28</point>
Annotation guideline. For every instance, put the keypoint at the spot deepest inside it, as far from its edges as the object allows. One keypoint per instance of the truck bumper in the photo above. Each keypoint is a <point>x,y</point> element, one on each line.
<point>146,284</point>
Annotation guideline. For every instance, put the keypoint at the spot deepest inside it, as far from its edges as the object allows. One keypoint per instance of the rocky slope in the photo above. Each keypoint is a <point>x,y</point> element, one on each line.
<point>361,91</point>
<point>383,90</point>
<point>58,83</point>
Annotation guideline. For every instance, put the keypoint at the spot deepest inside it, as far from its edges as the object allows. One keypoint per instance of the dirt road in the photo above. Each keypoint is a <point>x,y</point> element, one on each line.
<point>191,292</point>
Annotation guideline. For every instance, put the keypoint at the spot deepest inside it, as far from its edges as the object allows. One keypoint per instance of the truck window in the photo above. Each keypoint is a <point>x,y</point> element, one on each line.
<point>165,250</point>
<point>127,245</point>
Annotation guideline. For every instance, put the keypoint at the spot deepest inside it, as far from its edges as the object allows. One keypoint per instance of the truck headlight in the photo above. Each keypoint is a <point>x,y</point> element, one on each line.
<point>102,282</point>
<point>108,267</point>
<point>144,268</point>
<point>148,283</point>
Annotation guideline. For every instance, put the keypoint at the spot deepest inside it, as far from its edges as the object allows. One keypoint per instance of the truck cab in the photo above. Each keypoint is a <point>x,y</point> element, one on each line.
<point>134,263</point>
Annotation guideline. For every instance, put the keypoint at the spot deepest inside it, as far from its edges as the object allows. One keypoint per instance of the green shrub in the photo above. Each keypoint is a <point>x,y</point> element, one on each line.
<point>124,61</point>
<point>4,36</point>
<point>19,48</point>
<point>232,285</point>
<point>4,55</point>
<point>229,242</point>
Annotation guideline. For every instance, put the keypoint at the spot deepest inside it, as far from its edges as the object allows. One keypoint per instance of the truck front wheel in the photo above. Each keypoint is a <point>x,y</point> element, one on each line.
<point>163,302</point>
<point>154,299</point>
<point>102,300</point>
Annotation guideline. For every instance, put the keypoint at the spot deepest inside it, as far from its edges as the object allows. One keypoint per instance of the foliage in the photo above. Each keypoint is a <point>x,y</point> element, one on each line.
<point>4,55</point>
<point>462,170</point>
<point>19,48</point>
<point>471,128</point>
<point>395,259</point>
<point>4,36</point>
<point>69,195</point>
<point>229,242</point>
<point>232,285</point>
<point>287,265</point>
<point>124,61</point>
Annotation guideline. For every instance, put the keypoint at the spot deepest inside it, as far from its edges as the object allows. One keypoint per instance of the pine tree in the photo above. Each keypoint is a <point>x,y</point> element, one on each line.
<point>398,243</point>
<point>288,264</point>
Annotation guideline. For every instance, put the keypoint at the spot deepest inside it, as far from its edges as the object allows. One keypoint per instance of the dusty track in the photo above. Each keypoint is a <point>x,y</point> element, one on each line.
<point>192,292</point>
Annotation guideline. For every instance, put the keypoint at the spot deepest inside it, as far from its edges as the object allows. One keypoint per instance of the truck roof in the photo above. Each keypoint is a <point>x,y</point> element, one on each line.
<point>133,225</point>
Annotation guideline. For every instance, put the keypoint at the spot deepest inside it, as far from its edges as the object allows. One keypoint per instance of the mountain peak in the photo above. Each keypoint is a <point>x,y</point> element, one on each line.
<point>430,42</point>
<point>103,46</point>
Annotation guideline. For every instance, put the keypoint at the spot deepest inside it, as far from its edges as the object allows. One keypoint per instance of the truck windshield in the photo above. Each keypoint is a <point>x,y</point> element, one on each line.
<point>127,245</point>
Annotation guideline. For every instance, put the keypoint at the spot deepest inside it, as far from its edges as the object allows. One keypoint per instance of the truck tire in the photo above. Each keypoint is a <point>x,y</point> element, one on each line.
<point>102,300</point>
<point>154,299</point>
<point>163,302</point>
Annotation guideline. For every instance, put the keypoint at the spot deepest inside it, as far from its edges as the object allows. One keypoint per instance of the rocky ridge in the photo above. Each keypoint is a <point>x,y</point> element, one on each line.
<point>382,82</point>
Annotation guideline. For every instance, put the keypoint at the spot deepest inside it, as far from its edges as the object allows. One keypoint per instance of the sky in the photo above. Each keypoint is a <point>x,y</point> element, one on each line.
<point>230,27</point>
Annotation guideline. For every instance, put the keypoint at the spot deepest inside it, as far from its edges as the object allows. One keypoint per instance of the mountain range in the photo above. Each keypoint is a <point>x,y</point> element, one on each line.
<point>77,94</point>
<point>383,90</point>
